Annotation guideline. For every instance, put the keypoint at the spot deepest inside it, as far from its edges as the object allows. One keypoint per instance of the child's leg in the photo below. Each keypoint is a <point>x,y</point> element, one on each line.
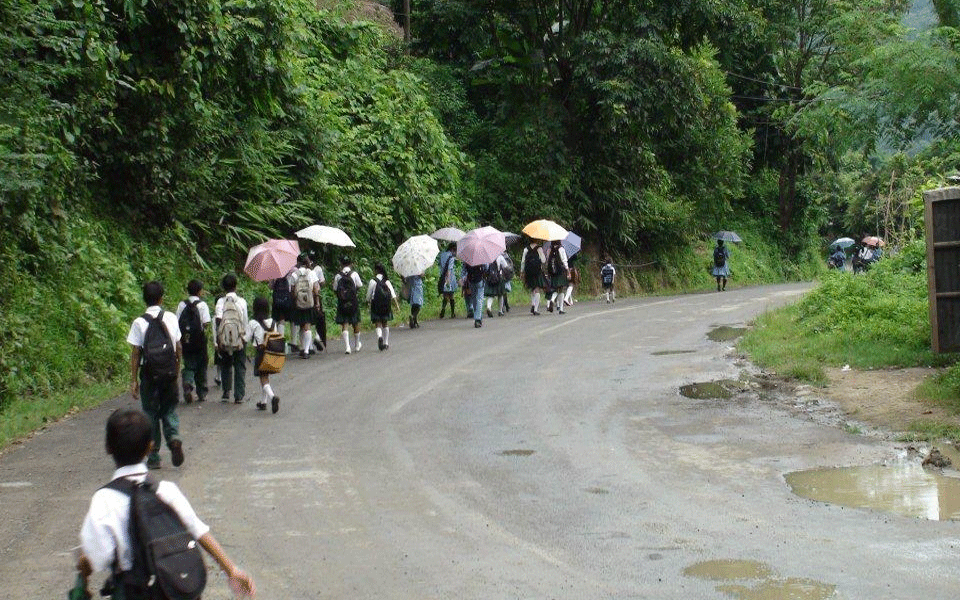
<point>356,335</point>
<point>239,373</point>
<point>386,335</point>
<point>569,294</point>
<point>345,333</point>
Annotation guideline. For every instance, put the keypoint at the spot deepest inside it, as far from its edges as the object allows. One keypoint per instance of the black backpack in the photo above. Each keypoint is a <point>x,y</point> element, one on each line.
<point>192,337</point>
<point>494,274</point>
<point>606,274</point>
<point>554,266</point>
<point>531,263</point>
<point>159,352</point>
<point>281,293</point>
<point>476,273</point>
<point>347,293</point>
<point>719,257</point>
<point>167,564</point>
<point>380,303</point>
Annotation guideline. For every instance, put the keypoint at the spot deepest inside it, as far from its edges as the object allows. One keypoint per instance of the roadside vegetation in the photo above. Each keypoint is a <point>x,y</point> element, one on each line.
<point>151,139</point>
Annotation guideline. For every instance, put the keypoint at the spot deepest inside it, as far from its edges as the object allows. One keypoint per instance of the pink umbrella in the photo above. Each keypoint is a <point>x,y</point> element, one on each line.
<point>481,246</point>
<point>271,260</point>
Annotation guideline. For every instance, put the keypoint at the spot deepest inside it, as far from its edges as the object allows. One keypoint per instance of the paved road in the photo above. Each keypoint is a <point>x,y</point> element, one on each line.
<point>546,457</point>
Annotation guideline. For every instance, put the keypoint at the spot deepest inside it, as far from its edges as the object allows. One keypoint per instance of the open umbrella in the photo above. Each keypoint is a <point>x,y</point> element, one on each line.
<point>545,230</point>
<point>843,242</point>
<point>872,240</point>
<point>481,246</point>
<point>271,260</point>
<point>415,255</point>
<point>448,234</point>
<point>323,234</point>
<point>727,236</point>
<point>571,244</point>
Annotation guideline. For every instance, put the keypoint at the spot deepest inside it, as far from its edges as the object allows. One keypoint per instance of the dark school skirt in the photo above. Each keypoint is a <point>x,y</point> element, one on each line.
<point>534,280</point>
<point>302,316</point>
<point>381,317</point>
<point>559,281</point>
<point>344,318</point>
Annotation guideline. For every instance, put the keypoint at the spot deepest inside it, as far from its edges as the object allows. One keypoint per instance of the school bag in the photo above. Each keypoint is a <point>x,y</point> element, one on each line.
<point>475,273</point>
<point>554,266</point>
<point>494,275</point>
<point>281,292</point>
<point>507,270</point>
<point>159,352</point>
<point>303,291</point>
<point>231,328</point>
<point>192,337</point>
<point>274,351</point>
<point>606,274</point>
<point>443,275</point>
<point>532,263</point>
<point>347,293</point>
<point>380,303</point>
<point>719,258</point>
<point>167,564</point>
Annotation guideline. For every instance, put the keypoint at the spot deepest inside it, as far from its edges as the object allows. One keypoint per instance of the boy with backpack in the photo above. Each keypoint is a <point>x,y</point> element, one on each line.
<point>380,295</point>
<point>230,316</point>
<point>345,286</point>
<point>155,351</point>
<point>608,274</point>
<point>132,513</point>
<point>193,317</point>
<point>531,270</point>
<point>476,280</point>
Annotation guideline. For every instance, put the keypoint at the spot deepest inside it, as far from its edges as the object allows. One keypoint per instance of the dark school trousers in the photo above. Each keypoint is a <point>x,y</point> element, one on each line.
<point>195,372</point>
<point>159,401</point>
<point>235,362</point>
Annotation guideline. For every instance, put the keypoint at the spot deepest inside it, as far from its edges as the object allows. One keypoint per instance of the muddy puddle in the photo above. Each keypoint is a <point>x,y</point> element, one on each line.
<point>725,333</point>
<point>721,389</point>
<point>517,452</point>
<point>669,352</point>
<point>752,580</point>
<point>903,488</point>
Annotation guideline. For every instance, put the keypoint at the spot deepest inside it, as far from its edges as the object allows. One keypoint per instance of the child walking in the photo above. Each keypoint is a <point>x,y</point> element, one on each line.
<point>380,295</point>
<point>257,330</point>
<point>105,540</point>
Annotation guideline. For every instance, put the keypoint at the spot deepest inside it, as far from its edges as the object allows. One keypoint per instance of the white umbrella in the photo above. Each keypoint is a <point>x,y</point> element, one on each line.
<point>415,255</point>
<point>448,234</point>
<point>326,235</point>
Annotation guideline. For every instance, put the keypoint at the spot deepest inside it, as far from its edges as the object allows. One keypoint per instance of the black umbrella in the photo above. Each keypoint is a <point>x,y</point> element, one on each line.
<point>727,236</point>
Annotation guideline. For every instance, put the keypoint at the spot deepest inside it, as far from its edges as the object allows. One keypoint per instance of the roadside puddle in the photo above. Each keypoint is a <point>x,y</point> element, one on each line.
<point>669,352</point>
<point>721,389</point>
<point>725,333</point>
<point>904,488</point>
<point>738,575</point>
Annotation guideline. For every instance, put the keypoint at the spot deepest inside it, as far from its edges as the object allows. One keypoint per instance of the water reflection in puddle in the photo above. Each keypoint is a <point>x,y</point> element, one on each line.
<point>752,580</point>
<point>725,333</point>
<point>905,488</point>
<point>709,389</point>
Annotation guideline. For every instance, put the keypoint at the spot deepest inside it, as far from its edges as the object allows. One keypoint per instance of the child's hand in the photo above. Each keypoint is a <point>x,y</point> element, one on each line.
<point>241,584</point>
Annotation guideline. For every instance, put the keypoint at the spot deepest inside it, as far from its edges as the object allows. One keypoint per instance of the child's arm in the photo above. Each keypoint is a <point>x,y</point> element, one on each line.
<point>240,582</point>
<point>134,372</point>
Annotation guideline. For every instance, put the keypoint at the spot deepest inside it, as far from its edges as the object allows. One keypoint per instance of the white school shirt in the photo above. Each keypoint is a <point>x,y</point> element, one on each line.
<point>318,273</point>
<point>203,308</point>
<point>138,329</point>
<point>302,272</point>
<point>241,306</point>
<point>105,533</point>
<point>372,287</point>
<point>256,332</point>
<point>355,276</point>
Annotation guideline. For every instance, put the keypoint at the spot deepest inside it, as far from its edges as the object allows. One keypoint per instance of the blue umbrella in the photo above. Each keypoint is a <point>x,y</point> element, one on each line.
<point>843,242</point>
<point>571,244</point>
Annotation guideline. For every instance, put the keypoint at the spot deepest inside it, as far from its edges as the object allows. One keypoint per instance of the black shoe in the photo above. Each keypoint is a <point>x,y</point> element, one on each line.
<point>153,464</point>
<point>226,396</point>
<point>489,313</point>
<point>275,404</point>
<point>261,406</point>
<point>409,322</point>
<point>176,452</point>
<point>536,313</point>
<point>304,355</point>
<point>500,313</point>
<point>443,312</point>
<point>550,306</point>
<point>477,324</point>
<point>531,310</point>
<point>380,344</point>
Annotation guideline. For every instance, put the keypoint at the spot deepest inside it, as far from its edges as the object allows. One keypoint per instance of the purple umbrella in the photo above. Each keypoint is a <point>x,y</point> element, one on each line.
<point>481,246</point>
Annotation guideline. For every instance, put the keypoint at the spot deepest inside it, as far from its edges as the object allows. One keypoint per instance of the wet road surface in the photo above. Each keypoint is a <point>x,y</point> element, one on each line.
<point>537,457</point>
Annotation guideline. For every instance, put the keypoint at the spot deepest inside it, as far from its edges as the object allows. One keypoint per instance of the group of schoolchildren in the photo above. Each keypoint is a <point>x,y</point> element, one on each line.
<point>169,346</point>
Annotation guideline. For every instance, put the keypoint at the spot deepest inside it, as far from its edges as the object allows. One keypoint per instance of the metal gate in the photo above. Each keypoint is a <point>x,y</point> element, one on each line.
<point>942,217</point>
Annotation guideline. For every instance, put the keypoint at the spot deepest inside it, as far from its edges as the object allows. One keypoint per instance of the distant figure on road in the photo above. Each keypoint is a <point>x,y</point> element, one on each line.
<point>494,285</point>
<point>721,254</point>
<point>416,299</point>
<point>447,284</point>
<point>155,355</point>
<point>193,316</point>
<point>559,271</point>
<point>306,290</point>
<point>838,258</point>
<point>382,297</point>
<point>476,278</point>
<point>346,285</point>
<point>608,274</point>
<point>230,318</point>
<point>105,540</point>
<point>257,330</point>
<point>574,281</point>
<point>531,271</point>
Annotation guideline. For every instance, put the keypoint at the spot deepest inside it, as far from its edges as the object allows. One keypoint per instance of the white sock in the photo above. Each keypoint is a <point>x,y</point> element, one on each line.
<point>502,299</point>
<point>553,298</point>
<point>346,341</point>
<point>305,338</point>
<point>566,297</point>
<point>489,303</point>
<point>357,337</point>
<point>536,301</point>
<point>614,294</point>
<point>380,333</point>
<point>268,391</point>
<point>386,335</point>
<point>607,295</point>
<point>317,343</point>
<point>280,328</point>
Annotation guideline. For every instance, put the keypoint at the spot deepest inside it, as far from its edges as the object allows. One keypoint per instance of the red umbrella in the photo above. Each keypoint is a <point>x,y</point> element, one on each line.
<point>481,246</point>
<point>272,259</point>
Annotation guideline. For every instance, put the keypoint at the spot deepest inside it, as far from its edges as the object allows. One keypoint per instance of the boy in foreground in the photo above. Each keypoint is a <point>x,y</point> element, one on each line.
<point>105,540</point>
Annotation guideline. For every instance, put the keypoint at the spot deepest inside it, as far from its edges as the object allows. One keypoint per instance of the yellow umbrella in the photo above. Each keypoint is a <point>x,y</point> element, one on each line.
<point>545,230</point>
